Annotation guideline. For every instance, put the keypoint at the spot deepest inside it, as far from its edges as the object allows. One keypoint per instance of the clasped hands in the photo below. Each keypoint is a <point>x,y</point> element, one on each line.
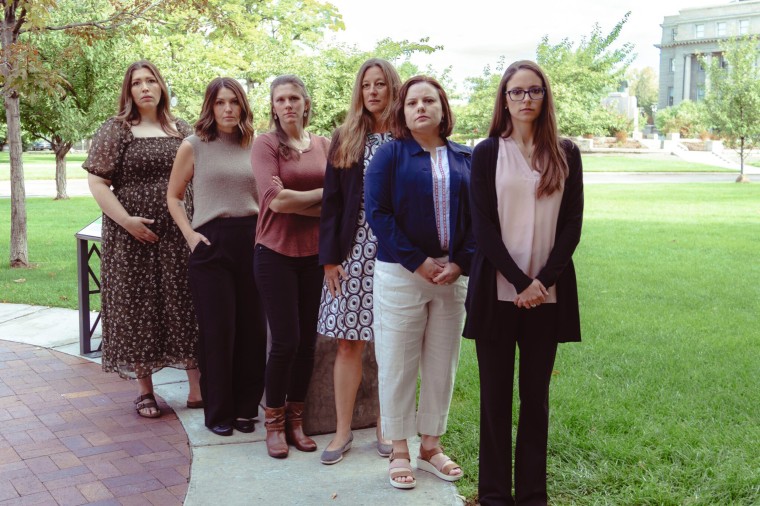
<point>437,272</point>
<point>533,296</point>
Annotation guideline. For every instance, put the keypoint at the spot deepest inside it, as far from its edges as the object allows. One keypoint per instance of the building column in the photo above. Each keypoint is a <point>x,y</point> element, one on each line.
<point>686,92</point>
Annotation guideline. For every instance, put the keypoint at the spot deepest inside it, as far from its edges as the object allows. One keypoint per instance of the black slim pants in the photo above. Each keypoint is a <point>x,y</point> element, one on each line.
<point>233,337</point>
<point>533,331</point>
<point>290,290</point>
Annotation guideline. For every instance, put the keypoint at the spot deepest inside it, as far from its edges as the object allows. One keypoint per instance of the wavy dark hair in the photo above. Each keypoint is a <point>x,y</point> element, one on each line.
<point>286,150</point>
<point>205,127</point>
<point>400,130</point>
<point>550,159</point>
<point>128,111</point>
<point>350,137</point>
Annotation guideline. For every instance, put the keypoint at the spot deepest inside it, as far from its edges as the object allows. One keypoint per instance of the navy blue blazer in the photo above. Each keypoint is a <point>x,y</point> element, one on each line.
<point>341,200</point>
<point>398,199</point>
<point>492,255</point>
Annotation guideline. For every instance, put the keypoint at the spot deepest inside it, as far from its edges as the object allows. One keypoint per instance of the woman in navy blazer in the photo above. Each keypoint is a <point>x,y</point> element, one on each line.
<point>416,197</point>
<point>527,211</point>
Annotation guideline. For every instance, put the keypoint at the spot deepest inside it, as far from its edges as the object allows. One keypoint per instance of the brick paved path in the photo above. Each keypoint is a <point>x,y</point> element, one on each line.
<point>69,434</point>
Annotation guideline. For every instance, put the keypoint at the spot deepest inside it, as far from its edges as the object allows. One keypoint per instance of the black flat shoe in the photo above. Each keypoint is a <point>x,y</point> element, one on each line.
<point>243,425</point>
<point>222,429</point>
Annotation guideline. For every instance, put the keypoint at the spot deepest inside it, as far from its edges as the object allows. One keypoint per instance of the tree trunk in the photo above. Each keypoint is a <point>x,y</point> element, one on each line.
<point>61,149</point>
<point>19,256</point>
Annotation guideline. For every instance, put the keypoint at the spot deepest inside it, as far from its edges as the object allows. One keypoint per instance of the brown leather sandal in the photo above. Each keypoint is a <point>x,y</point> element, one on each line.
<point>443,471</point>
<point>401,470</point>
<point>144,404</point>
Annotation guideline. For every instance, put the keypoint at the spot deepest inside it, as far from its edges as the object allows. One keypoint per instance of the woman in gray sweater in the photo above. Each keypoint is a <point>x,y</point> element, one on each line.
<point>217,159</point>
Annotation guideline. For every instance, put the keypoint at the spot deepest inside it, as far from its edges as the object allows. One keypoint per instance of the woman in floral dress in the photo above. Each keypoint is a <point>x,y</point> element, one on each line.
<point>347,246</point>
<point>148,319</point>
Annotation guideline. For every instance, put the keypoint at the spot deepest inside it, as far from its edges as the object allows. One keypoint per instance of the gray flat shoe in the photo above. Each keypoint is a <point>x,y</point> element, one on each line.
<point>330,457</point>
<point>384,450</point>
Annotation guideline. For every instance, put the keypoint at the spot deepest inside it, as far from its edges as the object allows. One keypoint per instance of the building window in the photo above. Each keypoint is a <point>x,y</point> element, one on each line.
<point>700,93</point>
<point>721,28</point>
<point>699,31</point>
<point>670,96</point>
<point>672,64</point>
<point>674,33</point>
<point>743,26</point>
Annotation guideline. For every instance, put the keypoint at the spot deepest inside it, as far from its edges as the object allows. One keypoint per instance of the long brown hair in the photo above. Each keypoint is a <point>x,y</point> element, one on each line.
<point>400,130</point>
<point>550,158</point>
<point>286,150</point>
<point>128,111</point>
<point>205,127</point>
<point>359,122</point>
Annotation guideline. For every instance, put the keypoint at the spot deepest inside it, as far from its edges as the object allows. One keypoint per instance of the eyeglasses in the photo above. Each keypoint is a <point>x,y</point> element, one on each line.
<point>518,95</point>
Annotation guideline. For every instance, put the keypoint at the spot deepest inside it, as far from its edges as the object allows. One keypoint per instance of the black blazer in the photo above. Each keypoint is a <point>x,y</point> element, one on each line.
<point>491,254</point>
<point>341,200</point>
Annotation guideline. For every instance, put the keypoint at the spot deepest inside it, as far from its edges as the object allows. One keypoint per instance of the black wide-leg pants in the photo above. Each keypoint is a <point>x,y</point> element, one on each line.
<point>534,332</point>
<point>233,338</point>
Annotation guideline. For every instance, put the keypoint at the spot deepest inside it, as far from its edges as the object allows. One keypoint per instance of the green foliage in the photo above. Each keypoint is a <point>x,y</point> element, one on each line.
<point>687,118</point>
<point>733,95</point>
<point>581,76</point>
<point>643,84</point>
<point>474,119</point>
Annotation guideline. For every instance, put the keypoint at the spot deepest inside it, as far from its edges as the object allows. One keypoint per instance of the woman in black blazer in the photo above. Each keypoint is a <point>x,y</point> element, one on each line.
<point>526,194</point>
<point>347,245</point>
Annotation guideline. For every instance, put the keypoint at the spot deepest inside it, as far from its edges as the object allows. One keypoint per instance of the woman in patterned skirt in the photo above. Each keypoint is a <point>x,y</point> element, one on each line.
<point>148,318</point>
<point>347,246</point>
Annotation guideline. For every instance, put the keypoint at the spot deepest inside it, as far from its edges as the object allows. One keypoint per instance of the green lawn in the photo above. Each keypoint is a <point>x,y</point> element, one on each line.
<point>42,165</point>
<point>644,163</point>
<point>52,281</point>
<point>659,405</point>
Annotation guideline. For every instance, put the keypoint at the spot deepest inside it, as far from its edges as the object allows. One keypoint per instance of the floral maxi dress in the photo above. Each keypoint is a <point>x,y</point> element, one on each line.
<point>146,308</point>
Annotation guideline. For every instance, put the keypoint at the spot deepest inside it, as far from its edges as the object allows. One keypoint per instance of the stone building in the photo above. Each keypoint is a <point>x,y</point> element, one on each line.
<point>698,31</point>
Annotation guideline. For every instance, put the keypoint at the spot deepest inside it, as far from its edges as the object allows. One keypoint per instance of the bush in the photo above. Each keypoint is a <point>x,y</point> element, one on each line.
<point>690,119</point>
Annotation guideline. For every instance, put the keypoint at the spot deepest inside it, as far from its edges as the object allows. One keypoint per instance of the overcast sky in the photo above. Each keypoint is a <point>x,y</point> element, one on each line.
<point>475,33</point>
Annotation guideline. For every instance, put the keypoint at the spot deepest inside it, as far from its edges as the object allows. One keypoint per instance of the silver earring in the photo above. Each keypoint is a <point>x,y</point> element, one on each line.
<point>305,113</point>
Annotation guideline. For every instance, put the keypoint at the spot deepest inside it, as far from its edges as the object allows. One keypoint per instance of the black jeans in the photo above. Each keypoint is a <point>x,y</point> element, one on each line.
<point>290,289</point>
<point>233,337</point>
<point>534,331</point>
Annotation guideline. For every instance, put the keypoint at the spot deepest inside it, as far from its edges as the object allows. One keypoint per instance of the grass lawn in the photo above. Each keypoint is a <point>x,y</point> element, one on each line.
<point>52,281</point>
<point>644,163</point>
<point>659,405</point>
<point>42,165</point>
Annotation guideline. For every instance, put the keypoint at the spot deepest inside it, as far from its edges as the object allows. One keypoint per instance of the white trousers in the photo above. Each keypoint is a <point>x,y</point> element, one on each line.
<point>418,329</point>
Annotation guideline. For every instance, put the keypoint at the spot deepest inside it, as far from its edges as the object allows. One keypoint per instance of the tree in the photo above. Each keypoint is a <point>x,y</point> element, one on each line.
<point>733,96</point>
<point>474,119</point>
<point>643,84</point>
<point>581,76</point>
<point>20,63</point>
<point>90,73</point>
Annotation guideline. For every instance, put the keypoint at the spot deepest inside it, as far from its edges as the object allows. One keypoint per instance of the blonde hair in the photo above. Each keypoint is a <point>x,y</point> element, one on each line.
<point>351,135</point>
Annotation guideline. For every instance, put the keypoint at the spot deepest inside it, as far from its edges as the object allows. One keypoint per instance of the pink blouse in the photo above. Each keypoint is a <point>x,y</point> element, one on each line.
<point>528,224</point>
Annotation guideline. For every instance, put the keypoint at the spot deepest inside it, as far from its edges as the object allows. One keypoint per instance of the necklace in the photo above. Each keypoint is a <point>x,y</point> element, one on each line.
<point>302,144</point>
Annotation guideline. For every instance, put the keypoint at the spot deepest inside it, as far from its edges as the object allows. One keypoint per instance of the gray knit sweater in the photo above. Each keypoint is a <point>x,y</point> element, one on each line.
<point>223,181</point>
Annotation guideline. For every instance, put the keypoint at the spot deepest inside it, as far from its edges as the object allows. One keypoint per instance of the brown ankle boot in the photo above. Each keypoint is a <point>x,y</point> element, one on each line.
<point>277,445</point>
<point>294,428</point>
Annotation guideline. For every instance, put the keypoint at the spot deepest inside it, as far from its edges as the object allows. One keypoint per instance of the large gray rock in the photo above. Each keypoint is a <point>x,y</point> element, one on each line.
<point>319,415</point>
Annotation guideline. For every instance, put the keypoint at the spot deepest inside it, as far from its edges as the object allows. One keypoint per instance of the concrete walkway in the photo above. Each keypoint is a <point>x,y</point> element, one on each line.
<point>40,345</point>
